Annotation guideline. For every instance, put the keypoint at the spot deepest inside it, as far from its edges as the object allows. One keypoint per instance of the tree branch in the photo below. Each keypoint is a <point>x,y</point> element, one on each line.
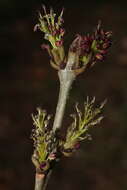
<point>39,181</point>
<point>66,78</point>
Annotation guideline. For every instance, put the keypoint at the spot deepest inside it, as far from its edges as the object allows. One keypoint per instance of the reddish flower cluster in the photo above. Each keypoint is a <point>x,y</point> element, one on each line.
<point>103,42</point>
<point>92,48</point>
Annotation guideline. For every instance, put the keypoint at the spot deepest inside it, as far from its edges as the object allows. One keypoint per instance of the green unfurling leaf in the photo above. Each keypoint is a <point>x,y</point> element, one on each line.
<point>82,121</point>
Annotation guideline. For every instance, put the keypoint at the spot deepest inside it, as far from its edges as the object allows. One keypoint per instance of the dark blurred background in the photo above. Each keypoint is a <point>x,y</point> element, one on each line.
<point>28,81</point>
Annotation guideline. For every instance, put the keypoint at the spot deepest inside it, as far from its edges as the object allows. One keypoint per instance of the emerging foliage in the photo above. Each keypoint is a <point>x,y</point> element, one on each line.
<point>49,147</point>
<point>82,122</point>
<point>44,141</point>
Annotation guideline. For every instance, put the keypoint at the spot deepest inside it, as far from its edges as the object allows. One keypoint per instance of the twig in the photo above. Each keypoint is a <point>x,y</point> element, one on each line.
<point>66,78</point>
<point>39,181</point>
<point>47,179</point>
<point>83,53</point>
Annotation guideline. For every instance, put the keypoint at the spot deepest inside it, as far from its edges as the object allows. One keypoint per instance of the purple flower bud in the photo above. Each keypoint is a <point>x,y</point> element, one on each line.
<point>108,34</point>
<point>59,43</point>
<point>103,52</point>
<point>52,156</point>
<point>106,45</point>
<point>54,32</point>
<point>62,31</point>
<point>99,56</point>
<point>43,165</point>
<point>77,145</point>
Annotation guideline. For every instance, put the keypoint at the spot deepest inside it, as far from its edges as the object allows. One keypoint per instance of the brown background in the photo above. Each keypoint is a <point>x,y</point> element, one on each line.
<point>28,81</point>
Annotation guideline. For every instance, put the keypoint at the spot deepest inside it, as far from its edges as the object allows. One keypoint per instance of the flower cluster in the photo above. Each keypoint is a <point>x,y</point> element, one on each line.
<point>54,33</point>
<point>91,48</point>
<point>51,28</point>
<point>84,51</point>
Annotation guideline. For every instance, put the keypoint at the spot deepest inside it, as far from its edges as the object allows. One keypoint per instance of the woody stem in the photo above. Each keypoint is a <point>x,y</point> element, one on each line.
<point>66,78</point>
